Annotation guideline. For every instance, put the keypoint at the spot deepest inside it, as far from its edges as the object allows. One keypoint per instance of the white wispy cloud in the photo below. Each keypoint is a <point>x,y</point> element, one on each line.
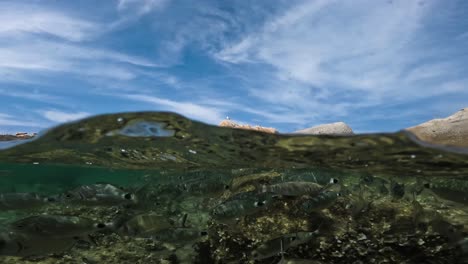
<point>273,115</point>
<point>26,46</point>
<point>35,96</point>
<point>141,7</point>
<point>19,18</point>
<point>293,62</point>
<point>330,57</point>
<point>60,117</point>
<point>40,55</point>
<point>7,120</point>
<point>200,112</point>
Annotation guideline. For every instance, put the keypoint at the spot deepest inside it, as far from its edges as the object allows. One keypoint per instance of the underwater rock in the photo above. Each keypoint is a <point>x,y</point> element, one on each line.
<point>338,128</point>
<point>228,123</point>
<point>452,131</point>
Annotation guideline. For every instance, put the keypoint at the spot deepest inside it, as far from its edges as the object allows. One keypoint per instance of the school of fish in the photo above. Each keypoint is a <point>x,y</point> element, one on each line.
<point>184,213</point>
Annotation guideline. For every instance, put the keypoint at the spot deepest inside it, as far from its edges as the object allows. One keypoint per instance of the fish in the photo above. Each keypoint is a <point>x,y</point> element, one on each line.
<point>55,226</point>
<point>453,233</point>
<point>22,201</point>
<point>413,189</point>
<point>437,222</point>
<point>21,245</point>
<point>298,261</point>
<point>213,188</point>
<point>179,235</point>
<point>243,180</point>
<point>359,205</point>
<point>98,194</point>
<point>280,244</point>
<point>381,185</point>
<point>397,190</point>
<point>445,193</point>
<point>420,215</point>
<point>241,204</point>
<point>306,175</point>
<point>161,228</point>
<point>297,188</point>
<point>319,202</point>
<point>145,225</point>
<point>423,218</point>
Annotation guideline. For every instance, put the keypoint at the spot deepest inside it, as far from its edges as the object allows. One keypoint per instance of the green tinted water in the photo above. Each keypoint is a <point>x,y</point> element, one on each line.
<point>397,200</point>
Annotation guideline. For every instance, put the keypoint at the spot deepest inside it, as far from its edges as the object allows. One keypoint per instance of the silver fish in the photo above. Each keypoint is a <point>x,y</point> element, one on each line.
<point>457,196</point>
<point>99,194</point>
<point>179,235</point>
<point>145,225</point>
<point>21,201</point>
<point>297,188</point>
<point>397,190</point>
<point>359,204</point>
<point>298,261</point>
<point>241,204</point>
<point>204,187</point>
<point>280,244</point>
<point>15,244</point>
<point>378,184</point>
<point>55,226</point>
<point>321,201</point>
<point>452,232</point>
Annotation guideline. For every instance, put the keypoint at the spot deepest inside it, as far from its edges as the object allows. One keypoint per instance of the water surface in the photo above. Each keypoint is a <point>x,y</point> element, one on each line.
<point>398,200</point>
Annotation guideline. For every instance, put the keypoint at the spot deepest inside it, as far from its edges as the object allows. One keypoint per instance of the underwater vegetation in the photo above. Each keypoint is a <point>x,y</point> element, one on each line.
<point>160,188</point>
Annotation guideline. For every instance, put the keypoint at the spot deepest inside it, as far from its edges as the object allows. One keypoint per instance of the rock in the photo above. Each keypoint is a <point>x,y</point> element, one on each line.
<point>19,135</point>
<point>450,131</point>
<point>338,128</point>
<point>229,123</point>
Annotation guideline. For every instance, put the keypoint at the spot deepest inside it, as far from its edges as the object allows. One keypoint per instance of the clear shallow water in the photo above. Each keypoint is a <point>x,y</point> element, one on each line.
<point>397,200</point>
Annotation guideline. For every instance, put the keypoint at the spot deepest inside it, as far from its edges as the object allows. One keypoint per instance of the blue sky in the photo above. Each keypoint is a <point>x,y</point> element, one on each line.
<point>378,65</point>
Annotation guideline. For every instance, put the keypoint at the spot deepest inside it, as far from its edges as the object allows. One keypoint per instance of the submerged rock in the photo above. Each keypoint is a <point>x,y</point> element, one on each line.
<point>452,131</point>
<point>338,128</point>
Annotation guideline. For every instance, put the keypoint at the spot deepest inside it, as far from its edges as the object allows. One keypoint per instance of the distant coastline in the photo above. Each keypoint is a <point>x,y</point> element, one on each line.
<point>451,131</point>
<point>17,136</point>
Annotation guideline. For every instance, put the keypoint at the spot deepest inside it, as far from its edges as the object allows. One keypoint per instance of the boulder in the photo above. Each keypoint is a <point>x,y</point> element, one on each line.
<point>229,123</point>
<point>450,131</point>
<point>338,128</point>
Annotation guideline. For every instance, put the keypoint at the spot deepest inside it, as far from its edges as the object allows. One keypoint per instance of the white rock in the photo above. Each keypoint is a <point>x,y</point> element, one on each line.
<point>338,128</point>
<point>451,131</point>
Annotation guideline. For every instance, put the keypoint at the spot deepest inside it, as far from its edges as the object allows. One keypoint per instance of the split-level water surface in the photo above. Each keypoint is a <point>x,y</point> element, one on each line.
<point>160,188</point>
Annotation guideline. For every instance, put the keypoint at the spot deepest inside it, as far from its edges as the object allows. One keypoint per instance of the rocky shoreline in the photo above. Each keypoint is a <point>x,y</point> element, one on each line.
<point>17,136</point>
<point>450,131</point>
